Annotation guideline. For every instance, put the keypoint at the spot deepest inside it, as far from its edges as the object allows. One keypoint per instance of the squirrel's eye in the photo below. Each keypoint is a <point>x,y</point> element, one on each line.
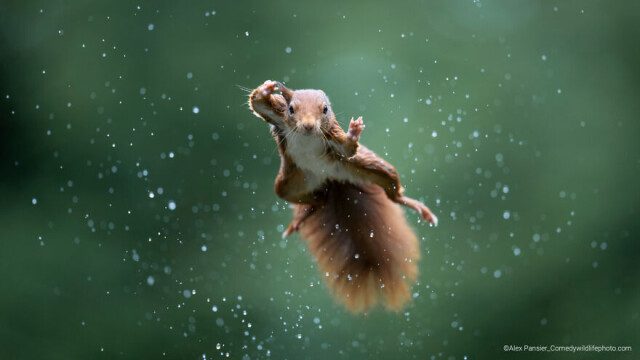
<point>291,109</point>
<point>325,109</point>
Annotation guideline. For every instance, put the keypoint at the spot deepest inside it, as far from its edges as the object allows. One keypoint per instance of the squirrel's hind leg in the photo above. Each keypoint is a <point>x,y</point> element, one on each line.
<point>383,174</point>
<point>418,206</point>
<point>300,214</point>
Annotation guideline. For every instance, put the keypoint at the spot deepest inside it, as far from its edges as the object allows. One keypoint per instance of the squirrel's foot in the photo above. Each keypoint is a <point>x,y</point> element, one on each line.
<point>426,214</point>
<point>355,129</point>
<point>421,208</point>
<point>294,226</point>
<point>290,230</point>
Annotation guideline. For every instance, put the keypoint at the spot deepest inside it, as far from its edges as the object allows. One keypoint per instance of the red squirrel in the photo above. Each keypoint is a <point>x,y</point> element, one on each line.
<point>344,197</point>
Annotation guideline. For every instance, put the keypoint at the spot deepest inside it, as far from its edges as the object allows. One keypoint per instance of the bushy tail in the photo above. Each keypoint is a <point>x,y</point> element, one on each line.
<point>363,246</point>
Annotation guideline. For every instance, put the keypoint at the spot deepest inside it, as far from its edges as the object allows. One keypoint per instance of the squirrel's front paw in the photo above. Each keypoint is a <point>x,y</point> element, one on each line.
<point>355,129</point>
<point>266,89</point>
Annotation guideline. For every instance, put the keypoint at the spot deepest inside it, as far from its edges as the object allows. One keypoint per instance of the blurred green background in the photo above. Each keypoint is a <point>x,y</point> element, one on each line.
<point>138,217</point>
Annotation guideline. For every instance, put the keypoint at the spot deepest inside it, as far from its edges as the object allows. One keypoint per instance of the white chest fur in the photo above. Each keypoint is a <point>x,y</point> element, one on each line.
<point>309,154</point>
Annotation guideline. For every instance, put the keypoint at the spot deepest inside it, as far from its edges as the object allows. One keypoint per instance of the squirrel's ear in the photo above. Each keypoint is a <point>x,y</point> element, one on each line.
<point>286,92</point>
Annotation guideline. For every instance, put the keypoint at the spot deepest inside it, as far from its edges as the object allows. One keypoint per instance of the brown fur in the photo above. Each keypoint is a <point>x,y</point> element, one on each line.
<point>363,246</point>
<point>356,232</point>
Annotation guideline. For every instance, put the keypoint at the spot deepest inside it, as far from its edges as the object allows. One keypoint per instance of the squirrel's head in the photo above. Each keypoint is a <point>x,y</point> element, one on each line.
<point>308,111</point>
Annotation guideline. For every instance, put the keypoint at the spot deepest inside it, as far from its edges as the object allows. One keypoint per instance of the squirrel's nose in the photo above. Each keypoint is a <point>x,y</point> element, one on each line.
<point>308,126</point>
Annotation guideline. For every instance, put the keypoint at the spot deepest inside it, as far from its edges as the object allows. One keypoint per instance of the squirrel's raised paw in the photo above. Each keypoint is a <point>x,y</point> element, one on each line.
<point>267,88</point>
<point>355,129</point>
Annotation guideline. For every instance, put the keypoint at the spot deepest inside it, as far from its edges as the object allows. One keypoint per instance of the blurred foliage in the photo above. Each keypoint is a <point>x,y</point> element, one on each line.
<point>139,219</point>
